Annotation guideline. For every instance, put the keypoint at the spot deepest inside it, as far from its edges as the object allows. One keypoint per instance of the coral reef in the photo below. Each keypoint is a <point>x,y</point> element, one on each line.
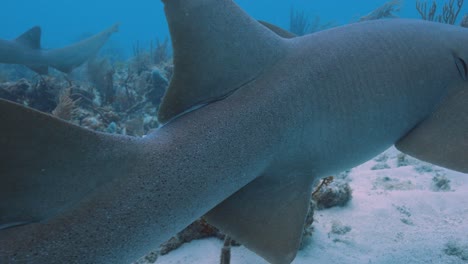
<point>301,24</point>
<point>387,10</point>
<point>449,13</point>
<point>332,193</point>
<point>464,21</point>
<point>308,227</point>
<point>298,22</point>
<point>101,95</point>
<point>66,106</point>
<point>197,230</point>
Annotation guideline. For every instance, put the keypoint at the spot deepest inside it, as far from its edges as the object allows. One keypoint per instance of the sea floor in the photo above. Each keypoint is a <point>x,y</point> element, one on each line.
<point>402,211</point>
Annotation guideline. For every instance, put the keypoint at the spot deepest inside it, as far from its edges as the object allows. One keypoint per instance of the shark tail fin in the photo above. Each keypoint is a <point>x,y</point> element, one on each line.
<point>68,58</point>
<point>208,36</point>
<point>442,139</point>
<point>47,164</point>
<point>31,38</point>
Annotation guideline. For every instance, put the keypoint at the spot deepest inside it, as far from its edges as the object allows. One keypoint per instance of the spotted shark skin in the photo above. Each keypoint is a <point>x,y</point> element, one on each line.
<point>245,152</point>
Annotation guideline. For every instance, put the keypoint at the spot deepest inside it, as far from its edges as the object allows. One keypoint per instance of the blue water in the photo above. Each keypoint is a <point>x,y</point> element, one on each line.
<point>65,21</point>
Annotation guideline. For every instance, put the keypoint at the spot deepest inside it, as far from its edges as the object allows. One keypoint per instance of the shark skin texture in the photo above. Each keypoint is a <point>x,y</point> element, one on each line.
<point>263,118</point>
<point>26,50</point>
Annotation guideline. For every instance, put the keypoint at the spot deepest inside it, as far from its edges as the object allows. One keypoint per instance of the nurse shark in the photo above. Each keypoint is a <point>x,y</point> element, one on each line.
<point>26,50</point>
<point>251,120</point>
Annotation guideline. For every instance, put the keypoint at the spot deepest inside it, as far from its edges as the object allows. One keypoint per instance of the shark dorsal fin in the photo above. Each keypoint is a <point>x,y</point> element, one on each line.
<point>217,49</point>
<point>31,38</point>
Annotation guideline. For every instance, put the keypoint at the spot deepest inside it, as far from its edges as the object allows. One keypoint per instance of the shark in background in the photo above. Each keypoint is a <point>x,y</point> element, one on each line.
<point>253,116</point>
<point>26,50</point>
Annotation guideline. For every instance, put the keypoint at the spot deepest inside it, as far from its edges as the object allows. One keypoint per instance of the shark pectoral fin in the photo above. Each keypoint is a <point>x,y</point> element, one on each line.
<point>267,216</point>
<point>31,38</point>
<point>47,164</point>
<point>442,139</point>
<point>217,49</point>
<point>40,69</point>
<point>279,31</point>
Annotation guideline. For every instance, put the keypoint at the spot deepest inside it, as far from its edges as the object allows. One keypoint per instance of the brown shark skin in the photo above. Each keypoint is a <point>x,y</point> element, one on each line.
<point>76,236</point>
<point>334,100</point>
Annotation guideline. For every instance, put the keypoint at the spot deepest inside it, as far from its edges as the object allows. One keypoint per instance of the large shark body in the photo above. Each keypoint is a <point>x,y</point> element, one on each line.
<point>26,50</point>
<point>251,120</point>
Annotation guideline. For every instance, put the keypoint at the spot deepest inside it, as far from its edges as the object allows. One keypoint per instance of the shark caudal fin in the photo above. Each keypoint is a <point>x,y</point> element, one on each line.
<point>442,139</point>
<point>32,40</point>
<point>218,48</point>
<point>67,58</point>
<point>47,164</point>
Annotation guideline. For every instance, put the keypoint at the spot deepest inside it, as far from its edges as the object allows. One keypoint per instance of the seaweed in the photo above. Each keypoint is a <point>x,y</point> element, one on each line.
<point>100,73</point>
<point>98,95</point>
<point>387,10</point>
<point>301,24</point>
<point>66,106</point>
<point>449,13</point>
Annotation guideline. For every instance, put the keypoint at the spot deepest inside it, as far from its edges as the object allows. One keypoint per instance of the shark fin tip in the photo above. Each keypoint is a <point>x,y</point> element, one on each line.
<point>31,38</point>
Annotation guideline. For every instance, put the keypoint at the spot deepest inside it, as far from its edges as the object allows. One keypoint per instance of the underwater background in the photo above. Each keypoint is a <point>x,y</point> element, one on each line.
<point>65,21</point>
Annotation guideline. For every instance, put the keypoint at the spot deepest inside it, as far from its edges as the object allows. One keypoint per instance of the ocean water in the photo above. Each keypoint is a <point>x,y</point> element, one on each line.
<point>142,21</point>
<point>398,212</point>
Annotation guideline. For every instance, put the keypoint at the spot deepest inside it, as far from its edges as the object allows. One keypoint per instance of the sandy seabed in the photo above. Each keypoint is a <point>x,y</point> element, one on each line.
<point>398,214</point>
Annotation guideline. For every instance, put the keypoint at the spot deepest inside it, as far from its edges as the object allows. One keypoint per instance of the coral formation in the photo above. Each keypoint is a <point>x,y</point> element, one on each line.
<point>101,95</point>
<point>301,24</point>
<point>387,10</point>
<point>449,13</point>
<point>66,106</point>
<point>336,193</point>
